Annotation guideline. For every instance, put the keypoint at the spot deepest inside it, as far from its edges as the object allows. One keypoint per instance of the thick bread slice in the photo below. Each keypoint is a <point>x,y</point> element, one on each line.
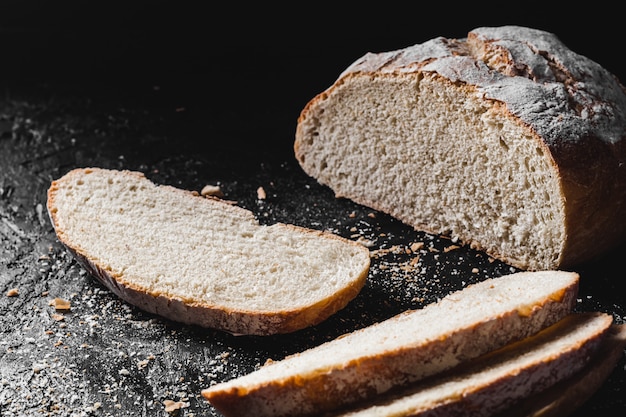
<point>506,140</point>
<point>498,380</point>
<point>565,397</point>
<point>200,260</point>
<point>403,349</point>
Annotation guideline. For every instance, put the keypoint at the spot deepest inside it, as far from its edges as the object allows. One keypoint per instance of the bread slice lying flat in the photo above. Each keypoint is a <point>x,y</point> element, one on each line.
<point>498,380</point>
<point>403,349</point>
<point>566,396</point>
<point>505,139</point>
<point>200,260</point>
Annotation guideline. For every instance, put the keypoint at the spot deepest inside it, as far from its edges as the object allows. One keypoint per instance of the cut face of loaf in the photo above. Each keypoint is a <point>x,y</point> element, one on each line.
<point>401,350</point>
<point>506,140</point>
<point>200,260</point>
<point>496,381</point>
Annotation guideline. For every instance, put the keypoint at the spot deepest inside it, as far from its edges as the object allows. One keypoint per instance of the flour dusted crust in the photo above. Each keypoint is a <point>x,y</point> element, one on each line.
<point>114,251</point>
<point>572,108</point>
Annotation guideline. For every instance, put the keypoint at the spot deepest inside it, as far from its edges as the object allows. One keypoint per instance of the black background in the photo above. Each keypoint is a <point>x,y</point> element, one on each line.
<point>192,93</point>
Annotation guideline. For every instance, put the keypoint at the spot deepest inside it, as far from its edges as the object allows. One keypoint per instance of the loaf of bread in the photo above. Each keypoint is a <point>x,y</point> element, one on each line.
<point>403,349</point>
<point>201,260</point>
<point>500,379</point>
<point>506,140</point>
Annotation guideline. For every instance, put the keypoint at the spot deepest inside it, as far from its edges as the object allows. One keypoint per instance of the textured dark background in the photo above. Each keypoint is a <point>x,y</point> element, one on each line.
<point>191,96</point>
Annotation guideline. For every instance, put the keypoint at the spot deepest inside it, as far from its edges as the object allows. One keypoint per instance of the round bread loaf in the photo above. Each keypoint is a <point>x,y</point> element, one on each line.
<point>506,140</point>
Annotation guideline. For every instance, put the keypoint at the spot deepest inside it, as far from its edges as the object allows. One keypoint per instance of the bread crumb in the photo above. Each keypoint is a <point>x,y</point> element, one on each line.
<point>365,242</point>
<point>58,317</point>
<point>60,304</point>
<point>212,190</point>
<point>173,406</point>
<point>451,248</point>
<point>260,193</point>
<point>416,246</point>
<point>13,292</point>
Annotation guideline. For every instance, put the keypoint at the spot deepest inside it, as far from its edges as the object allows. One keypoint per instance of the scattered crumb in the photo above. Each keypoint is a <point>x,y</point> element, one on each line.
<point>60,304</point>
<point>365,242</point>
<point>174,406</point>
<point>144,362</point>
<point>260,193</point>
<point>416,246</point>
<point>94,407</point>
<point>475,270</point>
<point>451,248</point>
<point>371,215</point>
<point>212,190</point>
<point>13,292</point>
<point>58,317</point>
<point>352,215</point>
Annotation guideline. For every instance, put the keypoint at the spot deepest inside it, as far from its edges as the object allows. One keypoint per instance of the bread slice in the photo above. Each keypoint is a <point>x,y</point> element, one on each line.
<point>498,380</point>
<point>568,395</point>
<point>505,140</point>
<point>200,260</point>
<point>403,349</point>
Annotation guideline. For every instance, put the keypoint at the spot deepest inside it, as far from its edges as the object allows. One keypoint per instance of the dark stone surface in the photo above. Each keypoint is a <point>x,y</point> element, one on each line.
<point>165,90</point>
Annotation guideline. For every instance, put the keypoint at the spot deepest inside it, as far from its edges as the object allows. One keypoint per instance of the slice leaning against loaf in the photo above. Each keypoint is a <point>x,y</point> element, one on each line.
<point>200,260</point>
<point>505,139</point>
<point>498,380</point>
<point>403,349</point>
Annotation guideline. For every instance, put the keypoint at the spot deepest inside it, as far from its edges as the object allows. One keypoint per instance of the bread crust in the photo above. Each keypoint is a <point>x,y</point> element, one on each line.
<point>234,320</point>
<point>573,108</point>
<point>368,374</point>
<point>565,397</point>
<point>493,382</point>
